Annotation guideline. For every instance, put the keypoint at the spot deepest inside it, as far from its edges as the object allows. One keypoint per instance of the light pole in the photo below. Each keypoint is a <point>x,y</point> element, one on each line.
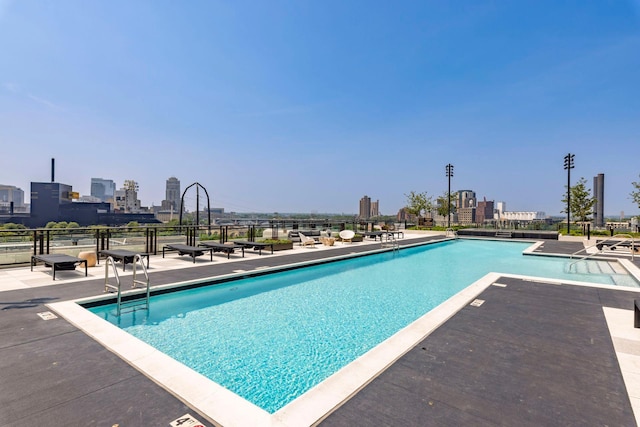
<point>568,165</point>
<point>449,168</point>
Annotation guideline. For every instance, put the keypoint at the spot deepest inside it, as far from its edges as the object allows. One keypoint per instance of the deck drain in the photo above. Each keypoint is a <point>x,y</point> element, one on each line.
<point>47,315</point>
<point>477,302</point>
<point>501,285</point>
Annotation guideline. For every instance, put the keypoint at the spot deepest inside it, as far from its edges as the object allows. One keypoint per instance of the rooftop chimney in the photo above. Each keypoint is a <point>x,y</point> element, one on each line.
<point>53,170</point>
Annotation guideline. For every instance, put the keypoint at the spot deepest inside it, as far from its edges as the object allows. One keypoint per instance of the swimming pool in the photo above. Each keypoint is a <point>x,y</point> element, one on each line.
<point>296,328</point>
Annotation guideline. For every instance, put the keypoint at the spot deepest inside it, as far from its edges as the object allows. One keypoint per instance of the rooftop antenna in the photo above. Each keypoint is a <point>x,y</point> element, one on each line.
<point>53,169</point>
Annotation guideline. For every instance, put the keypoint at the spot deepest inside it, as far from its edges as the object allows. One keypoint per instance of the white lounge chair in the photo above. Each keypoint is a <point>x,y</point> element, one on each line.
<point>306,241</point>
<point>346,235</point>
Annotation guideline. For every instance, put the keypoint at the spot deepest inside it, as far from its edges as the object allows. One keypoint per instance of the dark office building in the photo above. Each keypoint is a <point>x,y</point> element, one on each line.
<point>484,211</point>
<point>47,198</point>
<point>52,201</point>
<point>365,207</point>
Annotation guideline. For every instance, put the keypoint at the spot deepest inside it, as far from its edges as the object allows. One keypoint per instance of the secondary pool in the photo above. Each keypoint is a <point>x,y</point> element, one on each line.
<point>271,338</point>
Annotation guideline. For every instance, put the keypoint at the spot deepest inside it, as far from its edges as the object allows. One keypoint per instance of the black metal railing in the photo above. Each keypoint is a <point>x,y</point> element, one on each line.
<point>17,245</point>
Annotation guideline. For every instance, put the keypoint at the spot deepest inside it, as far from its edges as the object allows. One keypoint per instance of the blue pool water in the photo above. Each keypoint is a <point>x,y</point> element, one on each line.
<point>271,338</point>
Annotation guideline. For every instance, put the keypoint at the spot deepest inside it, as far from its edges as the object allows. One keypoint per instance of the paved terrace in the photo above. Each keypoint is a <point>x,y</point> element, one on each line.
<point>533,353</point>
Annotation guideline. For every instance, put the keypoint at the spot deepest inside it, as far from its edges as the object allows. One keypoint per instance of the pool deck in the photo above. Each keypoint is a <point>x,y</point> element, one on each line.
<point>533,353</point>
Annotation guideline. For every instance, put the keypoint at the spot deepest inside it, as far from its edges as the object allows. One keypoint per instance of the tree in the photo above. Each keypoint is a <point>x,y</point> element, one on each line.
<point>581,204</point>
<point>635,195</point>
<point>73,224</point>
<point>418,202</point>
<point>443,207</point>
<point>12,226</point>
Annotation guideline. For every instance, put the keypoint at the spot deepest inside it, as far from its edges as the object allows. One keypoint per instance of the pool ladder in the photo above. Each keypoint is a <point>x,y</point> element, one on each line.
<point>390,241</point>
<point>132,304</point>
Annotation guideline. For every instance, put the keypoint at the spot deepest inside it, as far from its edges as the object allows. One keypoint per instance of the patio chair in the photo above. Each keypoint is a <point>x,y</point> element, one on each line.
<point>346,235</point>
<point>306,241</point>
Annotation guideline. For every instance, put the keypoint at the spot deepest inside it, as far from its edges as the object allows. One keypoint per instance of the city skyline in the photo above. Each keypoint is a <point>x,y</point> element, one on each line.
<point>464,198</point>
<point>304,108</point>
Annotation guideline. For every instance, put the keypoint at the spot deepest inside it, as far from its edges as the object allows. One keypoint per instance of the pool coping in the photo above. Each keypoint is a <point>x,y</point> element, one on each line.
<point>221,406</point>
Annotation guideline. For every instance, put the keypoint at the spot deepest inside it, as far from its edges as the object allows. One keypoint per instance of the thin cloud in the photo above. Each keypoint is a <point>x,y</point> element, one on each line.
<point>46,103</point>
<point>11,87</point>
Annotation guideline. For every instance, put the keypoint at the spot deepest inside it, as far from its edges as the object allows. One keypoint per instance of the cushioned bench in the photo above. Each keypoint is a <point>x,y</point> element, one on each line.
<point>220,247</point>
<point>122,255</point>
<point>613,244</point>
<point>59,262</point>
<point>192,251</point>
<point>259,246</point>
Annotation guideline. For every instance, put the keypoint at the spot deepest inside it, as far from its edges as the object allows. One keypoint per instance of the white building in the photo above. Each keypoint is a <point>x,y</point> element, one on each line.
<point>501,214</point>
<point>126,199</point>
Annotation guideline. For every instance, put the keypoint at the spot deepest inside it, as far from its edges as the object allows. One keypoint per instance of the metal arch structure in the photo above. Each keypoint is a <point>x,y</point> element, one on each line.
<point>198,187</point>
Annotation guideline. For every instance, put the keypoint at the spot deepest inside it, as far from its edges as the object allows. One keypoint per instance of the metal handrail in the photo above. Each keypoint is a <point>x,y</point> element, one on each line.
<point>137,260</point>
<point>108,286</point>
<point>450,232</point>
<point>602,244</point>
<point>392,240</point>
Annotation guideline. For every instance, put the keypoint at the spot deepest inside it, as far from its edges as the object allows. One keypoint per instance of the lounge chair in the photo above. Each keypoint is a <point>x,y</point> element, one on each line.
<point>122,255</point>
<point>306,241</point>
<point>59,262</point>
<point>346,235</point>
<point>221,247</point>
<point>259,246</point>
<point>192,251</point>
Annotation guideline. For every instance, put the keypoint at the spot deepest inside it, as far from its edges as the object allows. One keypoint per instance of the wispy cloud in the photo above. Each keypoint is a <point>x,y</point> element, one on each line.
<point>46,103</point>
<point>11,87</point>
<point>15,88</point>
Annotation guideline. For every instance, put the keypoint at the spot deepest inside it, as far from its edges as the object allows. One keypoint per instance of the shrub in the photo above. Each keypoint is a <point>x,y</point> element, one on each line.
<point>276,242</point>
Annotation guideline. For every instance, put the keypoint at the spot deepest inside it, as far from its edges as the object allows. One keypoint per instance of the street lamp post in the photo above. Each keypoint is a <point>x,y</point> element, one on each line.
<point>568,165</point>
<point>449,168</point>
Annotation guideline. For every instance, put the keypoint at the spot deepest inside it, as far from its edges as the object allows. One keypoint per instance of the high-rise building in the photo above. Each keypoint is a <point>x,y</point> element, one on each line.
<point>172,195</point>
<point>47,199</point>
<point>598,194</point>
<point>467,215</point>
<point>375,208</point>
<point>11,198</point>
<point>126,199</point>
<point>103,189</point>
<point>466,199</point>
<point>484,211</point>
<point>365,207</point>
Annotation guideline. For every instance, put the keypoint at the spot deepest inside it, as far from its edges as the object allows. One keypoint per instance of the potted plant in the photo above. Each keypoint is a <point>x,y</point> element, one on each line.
<point>280,244</point>
<point>357,238</point>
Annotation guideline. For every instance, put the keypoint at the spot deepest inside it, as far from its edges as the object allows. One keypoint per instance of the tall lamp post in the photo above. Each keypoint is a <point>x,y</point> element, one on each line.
<point>568,165</point>
<point>449,168</point>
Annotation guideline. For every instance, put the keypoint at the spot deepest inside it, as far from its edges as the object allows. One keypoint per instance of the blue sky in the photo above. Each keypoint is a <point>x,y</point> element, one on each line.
<point>301,106</point>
